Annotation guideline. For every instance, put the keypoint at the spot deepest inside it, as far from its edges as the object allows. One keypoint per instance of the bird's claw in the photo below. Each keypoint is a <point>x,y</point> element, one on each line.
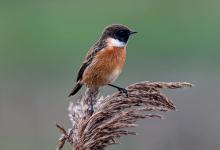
<point>123,90</point>
<point>90,111</point>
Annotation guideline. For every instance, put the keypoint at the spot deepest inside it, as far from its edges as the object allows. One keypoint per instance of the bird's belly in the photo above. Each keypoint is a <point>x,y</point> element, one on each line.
<point>105,68</point>
<point>113,76</point>
<point>101,77</point>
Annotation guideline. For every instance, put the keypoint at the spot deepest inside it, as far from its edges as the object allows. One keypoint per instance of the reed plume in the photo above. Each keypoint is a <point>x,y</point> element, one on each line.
<point>114,114</point>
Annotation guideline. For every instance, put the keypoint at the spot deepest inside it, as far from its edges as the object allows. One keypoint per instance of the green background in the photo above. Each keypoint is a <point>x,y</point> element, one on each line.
<point>42,44</point>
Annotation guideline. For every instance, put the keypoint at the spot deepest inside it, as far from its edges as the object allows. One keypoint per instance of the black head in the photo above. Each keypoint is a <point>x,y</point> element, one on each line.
<point>119,32</point>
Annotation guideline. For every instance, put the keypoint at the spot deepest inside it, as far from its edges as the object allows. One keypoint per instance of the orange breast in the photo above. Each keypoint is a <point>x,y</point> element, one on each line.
<point>105,67</point>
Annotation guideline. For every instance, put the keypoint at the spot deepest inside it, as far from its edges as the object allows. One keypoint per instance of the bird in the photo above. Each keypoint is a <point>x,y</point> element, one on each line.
<point>105,59</point>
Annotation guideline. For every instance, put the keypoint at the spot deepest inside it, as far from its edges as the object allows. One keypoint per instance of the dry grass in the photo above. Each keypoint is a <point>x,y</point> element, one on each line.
<point>114,114</point>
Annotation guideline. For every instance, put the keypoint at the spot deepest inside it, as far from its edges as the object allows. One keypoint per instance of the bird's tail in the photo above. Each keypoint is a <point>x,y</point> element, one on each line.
<point>76,89</point>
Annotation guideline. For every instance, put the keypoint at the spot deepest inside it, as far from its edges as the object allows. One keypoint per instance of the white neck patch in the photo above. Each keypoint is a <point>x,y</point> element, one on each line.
<point>116,43</point>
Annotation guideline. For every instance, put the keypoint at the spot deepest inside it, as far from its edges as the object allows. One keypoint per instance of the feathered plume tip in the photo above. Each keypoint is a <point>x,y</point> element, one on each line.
<point>114,114</point>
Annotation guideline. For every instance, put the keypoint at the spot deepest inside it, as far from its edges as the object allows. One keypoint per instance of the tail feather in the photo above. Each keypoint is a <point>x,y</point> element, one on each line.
<point>75,90</point>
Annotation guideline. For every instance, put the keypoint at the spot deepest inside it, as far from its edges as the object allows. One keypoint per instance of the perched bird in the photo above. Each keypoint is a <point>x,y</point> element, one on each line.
<point>105,59</point>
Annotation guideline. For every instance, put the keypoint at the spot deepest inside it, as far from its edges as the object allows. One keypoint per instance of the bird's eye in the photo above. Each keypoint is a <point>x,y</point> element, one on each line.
<point>121,33</point>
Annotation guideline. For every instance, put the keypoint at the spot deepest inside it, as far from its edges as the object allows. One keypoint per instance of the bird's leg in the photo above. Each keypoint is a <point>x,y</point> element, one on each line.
<point>91,110</point>
<point>121,90</point>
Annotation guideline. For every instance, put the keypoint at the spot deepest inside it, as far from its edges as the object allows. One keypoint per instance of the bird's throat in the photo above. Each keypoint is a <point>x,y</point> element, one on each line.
<point>115,43</point>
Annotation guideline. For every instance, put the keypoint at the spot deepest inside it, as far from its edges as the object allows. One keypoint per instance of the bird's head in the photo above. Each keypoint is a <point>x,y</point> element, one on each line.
<point>117,35</point>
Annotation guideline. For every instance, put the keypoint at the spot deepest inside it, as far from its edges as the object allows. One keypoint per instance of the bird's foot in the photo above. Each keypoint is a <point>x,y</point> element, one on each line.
<point>123,90</point>
<point>90,111</point>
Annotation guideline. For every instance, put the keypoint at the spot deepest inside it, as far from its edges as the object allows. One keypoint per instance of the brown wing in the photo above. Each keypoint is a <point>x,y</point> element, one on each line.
<point>89,57</point>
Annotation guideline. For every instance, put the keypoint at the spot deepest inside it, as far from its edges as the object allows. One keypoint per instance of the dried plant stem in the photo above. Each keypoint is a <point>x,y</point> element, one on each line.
<point>114,114</point>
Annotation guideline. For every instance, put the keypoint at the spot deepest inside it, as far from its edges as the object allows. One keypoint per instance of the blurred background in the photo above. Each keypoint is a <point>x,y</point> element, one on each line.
<point>42,44</point>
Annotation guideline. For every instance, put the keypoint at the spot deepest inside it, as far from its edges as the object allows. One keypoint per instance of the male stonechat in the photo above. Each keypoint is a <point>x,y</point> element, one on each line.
<point>105,59</point>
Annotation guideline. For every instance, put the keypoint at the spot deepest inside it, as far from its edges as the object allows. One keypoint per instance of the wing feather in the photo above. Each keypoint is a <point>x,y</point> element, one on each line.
<point>89,58</point>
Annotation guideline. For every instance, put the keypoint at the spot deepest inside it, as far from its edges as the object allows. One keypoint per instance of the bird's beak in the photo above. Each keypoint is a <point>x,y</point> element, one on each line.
<point>133,32</point>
